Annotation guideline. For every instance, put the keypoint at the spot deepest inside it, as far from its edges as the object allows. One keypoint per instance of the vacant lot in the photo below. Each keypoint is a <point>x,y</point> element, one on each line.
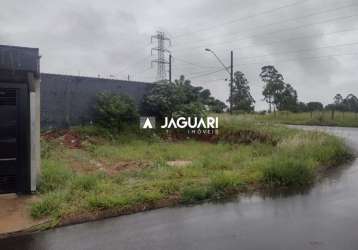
<point>89,173</point>
<point>319,118</point>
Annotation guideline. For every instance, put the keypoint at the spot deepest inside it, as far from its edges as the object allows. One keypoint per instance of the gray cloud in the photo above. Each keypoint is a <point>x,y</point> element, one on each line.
<point>113,38</point>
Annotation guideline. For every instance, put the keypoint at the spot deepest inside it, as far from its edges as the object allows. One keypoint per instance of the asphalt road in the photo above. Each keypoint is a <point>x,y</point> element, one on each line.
<point>324,217</point>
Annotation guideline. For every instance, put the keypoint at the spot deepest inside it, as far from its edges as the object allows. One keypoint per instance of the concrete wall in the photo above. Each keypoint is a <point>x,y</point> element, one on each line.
<point>70,100</point>
<point>15,58</point>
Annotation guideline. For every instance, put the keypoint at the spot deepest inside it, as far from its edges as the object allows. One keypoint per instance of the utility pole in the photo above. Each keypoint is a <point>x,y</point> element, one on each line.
<point>231,79</point>
<point>229,70</point>
<point>170,68</point>
<point>161,50</point>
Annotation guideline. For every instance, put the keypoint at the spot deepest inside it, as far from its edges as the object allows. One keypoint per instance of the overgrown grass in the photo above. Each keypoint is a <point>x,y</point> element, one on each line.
<point>96,177</point>
<point>319,118</point>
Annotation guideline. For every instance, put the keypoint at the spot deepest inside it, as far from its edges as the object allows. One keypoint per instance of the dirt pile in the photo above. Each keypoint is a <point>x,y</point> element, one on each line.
<point>67,137</point>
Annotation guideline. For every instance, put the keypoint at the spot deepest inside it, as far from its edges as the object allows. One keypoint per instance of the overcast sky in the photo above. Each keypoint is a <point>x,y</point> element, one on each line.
<point>313,43</point>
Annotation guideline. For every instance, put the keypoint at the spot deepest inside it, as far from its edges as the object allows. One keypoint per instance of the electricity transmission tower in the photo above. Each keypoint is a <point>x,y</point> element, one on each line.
<point>161,54</point>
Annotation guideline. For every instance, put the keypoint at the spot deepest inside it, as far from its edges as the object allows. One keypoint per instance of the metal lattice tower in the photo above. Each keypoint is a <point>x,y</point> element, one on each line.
<point>161,53</point>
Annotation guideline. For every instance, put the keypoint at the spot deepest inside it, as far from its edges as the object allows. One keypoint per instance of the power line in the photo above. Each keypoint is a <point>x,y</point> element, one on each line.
<point>298,51</point>
<point>214,80</point>
<point>133,64</point>
<point>271,62</point>
<point>206,74</point>
<point>301,58</point>
<point>202,72</point>
<point>273,42</point>
<point>192,64</point>
<point>272,32</point>
<point>288,20</point>
<point>301,37</point>
<point>282,53</point>
<point>245,18</point>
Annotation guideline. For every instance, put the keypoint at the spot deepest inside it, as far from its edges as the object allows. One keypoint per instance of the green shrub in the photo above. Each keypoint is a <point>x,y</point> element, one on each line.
<point>224,183</point>
<point>332,152</point>
<point>194,193</point>
<point>287,171</point>
<point>115,112</point>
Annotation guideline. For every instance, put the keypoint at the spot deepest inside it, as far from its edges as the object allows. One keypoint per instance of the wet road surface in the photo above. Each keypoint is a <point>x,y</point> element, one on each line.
<point>324,217</point>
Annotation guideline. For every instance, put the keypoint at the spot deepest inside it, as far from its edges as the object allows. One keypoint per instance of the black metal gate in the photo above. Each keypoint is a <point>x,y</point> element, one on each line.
<point>13,149</point>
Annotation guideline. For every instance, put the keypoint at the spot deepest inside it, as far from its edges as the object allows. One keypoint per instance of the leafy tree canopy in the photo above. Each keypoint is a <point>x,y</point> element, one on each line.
<point>241,96</point>
<point>276,92</point>
<point>179,98</point>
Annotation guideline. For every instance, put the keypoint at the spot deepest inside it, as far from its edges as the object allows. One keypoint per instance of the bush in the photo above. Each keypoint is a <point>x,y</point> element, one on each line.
<point>224,183</point>
<point>115,112</point>
<point>194,193</point>
<point>190,110</point>
<point>179,99</point>
<point>286,171</point>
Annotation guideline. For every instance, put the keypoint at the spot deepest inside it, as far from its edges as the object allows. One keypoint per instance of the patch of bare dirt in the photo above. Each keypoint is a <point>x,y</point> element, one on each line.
<point>67,137</point>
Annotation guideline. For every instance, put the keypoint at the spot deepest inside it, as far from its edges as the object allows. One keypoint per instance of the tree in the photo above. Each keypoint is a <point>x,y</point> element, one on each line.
<point>351,103</point>
<point>216,106</point>
<point>287,99</point>
<point>301,107</point>
<point>274,85</point>
<point>338,104</point>
<point>338,99</point>
<point>241,97</point>
<point>179,99</point>
<point>314,106</point>
<point>276,92</point>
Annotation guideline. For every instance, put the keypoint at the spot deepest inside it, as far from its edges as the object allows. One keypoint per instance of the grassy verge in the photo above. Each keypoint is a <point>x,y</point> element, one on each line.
<point>85,173</point>
<point>323,118</point>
